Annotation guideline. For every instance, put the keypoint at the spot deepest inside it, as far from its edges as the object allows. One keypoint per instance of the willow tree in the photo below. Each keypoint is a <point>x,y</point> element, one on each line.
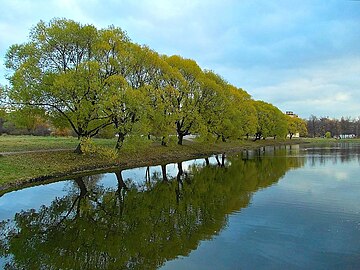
<point>192,98</point>
<point>233,114</point>
<point>217,112</point>
<point>124,106</point>
<point>151,74</point>
<point>296,125</point>
<point>124,99</point>
<point>271,121</point>
<point>64,68</point>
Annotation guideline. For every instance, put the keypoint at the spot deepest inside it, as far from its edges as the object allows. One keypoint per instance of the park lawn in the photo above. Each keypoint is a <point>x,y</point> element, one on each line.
<point>331,140</point>
<point>25,167</point>
<point>10,143</point>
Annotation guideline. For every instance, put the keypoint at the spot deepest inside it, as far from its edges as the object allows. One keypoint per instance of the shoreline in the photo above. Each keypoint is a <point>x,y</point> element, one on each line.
<point>168,155</point>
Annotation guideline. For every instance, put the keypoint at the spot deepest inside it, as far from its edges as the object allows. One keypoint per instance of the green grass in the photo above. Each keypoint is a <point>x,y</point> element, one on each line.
<point>31,143</point>
<point>22,167</point>
<point>331,140</point>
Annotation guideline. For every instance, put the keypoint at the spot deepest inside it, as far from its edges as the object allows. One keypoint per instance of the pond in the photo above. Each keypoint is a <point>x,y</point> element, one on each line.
<point>289,207</point>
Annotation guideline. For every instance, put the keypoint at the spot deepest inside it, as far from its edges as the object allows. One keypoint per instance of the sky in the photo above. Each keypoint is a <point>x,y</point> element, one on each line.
<point>301,56</point>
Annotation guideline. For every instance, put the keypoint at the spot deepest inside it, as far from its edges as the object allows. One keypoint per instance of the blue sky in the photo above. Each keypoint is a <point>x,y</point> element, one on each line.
<point>302,56</point>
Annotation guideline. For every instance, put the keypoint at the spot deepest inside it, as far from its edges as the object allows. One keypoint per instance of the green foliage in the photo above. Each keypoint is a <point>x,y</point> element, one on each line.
<point>2,95</point>
<point>328,134</point>
<point>106,133</point>
<point>97,82</point>
<point>296,125</point>
<point>64,69</point>
<point>27,117</point>
<point>134,142</point>
<point>271,121</point>
<point>88,147</point>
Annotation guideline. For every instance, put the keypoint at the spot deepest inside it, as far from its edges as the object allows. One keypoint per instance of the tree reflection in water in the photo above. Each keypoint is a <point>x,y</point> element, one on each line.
<point>93,227</point>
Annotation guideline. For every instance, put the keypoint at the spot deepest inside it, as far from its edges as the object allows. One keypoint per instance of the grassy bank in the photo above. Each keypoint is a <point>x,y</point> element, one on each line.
<point>25,166</point>
<point>34,143</point>
<point>330,140</point>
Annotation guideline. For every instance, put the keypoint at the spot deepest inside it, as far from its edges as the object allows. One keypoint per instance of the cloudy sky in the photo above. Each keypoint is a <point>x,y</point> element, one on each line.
<point>302,56</point>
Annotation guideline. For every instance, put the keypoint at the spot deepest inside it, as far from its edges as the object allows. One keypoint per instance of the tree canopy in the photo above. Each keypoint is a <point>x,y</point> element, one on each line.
<point>89,79</point>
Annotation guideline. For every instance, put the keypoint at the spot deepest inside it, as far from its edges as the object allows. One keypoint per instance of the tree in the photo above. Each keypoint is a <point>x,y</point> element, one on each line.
<point>232,114</point>
<point>296,125</point>
<point>245,120</point>
<point>343,126</point>
<point>2,95</point>
<point>312,125</point>
<point>65,69</point>
<point>30,119</point>
<point>271,121</point>
<point>189,98</point>
<point>160,84</point>
<point>124,107</point>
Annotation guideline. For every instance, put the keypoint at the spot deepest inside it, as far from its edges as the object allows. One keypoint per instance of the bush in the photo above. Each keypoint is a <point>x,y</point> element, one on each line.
<point>133,142</point>
<point>62,132</point>
<point>89,148</point>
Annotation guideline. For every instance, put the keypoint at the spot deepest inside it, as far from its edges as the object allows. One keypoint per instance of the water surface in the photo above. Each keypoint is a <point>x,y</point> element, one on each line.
<point>290,207</point>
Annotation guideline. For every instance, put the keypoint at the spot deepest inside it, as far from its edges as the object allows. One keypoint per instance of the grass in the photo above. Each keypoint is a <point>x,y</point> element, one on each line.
<point>330,140</point>
<point>33,143</point>
<point>23,167</point>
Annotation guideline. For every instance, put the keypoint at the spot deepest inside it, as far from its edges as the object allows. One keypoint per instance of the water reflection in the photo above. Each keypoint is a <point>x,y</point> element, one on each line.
<point>335,152</point>
<point>138,224</point>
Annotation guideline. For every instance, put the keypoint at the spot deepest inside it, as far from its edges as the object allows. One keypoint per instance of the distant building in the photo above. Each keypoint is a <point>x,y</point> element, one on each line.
<point>291,114</point>
<point>346,136</point>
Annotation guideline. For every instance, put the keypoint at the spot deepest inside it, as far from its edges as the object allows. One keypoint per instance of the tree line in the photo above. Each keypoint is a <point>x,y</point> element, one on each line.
<point>92,80</point>
<point>332,127</point>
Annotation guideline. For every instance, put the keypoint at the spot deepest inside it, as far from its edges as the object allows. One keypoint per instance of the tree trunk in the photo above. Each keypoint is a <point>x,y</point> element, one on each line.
<point>120,140</point>
<point>120,180</point>
<point>147,175</point>
<point>180,168</point>
<point>291,135</point>
<point>257,136</point>
<point>163,170</point>
<point>120,192</point>
<point>207,162</point>
<point>83,191</point>
<point>180,139</point>
<point>163,142</point>
<point>223,160</point>
<point>217,160</point>
<point>179,182</point>
<point>78,149</point>
<point>80,182</point>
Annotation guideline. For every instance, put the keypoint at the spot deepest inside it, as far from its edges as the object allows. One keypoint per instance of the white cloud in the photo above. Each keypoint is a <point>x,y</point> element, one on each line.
<point>330,88</point>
